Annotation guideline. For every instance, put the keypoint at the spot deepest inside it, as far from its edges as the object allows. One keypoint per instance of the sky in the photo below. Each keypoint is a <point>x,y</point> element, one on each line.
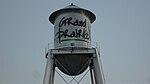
<point>121,30</point>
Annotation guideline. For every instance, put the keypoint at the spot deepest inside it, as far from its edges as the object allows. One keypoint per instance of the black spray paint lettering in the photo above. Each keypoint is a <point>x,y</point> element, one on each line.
<point>68,21</point>
<point>77,33</point>
<point>80,34</point>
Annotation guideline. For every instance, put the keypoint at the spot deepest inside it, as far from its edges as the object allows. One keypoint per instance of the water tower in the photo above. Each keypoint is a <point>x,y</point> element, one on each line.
<point>72,52</point>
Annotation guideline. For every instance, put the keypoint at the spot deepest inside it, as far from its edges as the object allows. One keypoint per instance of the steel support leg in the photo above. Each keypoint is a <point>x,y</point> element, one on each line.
<point>92,75</point>
<point>97,67</point>
<point>50,70</point>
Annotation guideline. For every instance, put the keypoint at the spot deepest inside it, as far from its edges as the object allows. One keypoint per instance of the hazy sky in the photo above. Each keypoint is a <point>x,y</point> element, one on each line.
<point>122,30</point>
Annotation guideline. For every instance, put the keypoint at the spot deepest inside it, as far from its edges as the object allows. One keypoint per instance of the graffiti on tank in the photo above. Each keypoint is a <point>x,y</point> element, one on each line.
<point>68,21</point>
<point>78,34</point>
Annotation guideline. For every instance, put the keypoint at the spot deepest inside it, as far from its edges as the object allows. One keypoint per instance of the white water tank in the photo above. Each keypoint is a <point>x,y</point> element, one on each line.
<point>72,30</point>
<point>72,27</point>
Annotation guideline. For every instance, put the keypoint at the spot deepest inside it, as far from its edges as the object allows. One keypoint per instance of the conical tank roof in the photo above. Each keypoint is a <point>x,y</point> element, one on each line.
<point>72,8</point>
